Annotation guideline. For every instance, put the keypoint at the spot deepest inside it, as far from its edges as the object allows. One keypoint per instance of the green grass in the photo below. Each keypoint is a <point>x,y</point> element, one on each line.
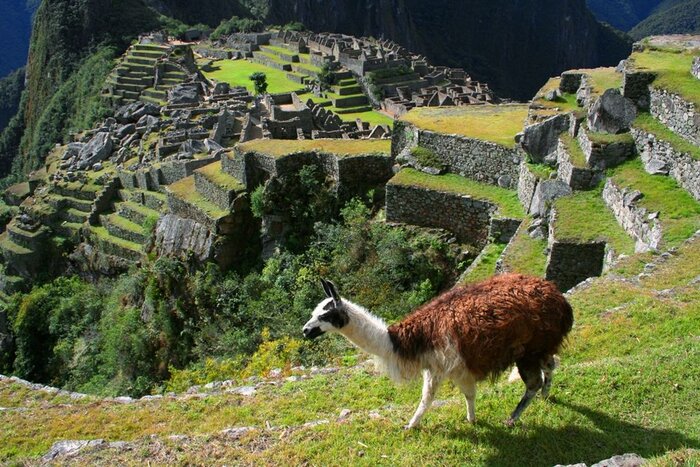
<point>566,102</point>
<point>497,124</point>
<point>578,158</point>
<point>606,138</point>
<point>672,69</point>
<point>126,224</point>
<point>340,147</point>
<point>541,171</point>
<point>651,125</point>
<point>216,175</point>
<point>102,234</point>
<point>237,73</point>
<point>526,255</point>
<point>628,382</point>
<point>372,117</point>
<point>602,79</point>
<point>7,244</point>
<point>506,200</point>
<point>679,212</point>
<point>484,265</point>
<point>584,217</point>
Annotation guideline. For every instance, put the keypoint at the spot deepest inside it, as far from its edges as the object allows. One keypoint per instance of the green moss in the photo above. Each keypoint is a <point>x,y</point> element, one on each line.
<point>494,123</point>
<point>427,158</point>
<point>651,125</point>
<point>606,138</point>
<point>506,200</point>
<point>584,217</point>
<point>672,69</point>
<point>525,254</point>
<point>578,159</point>
<point>541,171</point>
<point>339,147</point>
<point>679,212</point>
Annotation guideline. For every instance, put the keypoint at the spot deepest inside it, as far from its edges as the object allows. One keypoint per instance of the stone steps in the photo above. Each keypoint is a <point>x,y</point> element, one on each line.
<point>123,228</point>
<point>24,261</point>
<point>73,215</point>
<point>69,230</point>
<point>134,212</point>
<point>127,86</point>
<point>271,61</point>
<point>286,55</point>
<point>115,246</point>
<point>217,186</point>
<point>81,192</point>
<point>350,101</point>
<point>150,47</point>
<point>59,202</point>
<point>30,240</point>
<point>185,201</point>
<point>151,54</point>
<point>140,60</point>
<point>347,90</point>
<point>139,80</point>
<point>159,94</point>
<point>352,110</point>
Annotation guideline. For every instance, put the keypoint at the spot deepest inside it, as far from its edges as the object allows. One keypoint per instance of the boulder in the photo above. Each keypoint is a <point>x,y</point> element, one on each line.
<point>625,460</point>
<point>541,140</point>
<point>695,69</point>
<point>98,149</point>
<point>125,130</point>
<point>221,88</point>
<point>185,94</point>
<point>211,145</point>
<point>72,150</point>
<point>611,113</point>
<point>657,167</point>
<point>125,113</point>
<point>546,192</point>
<point>147,123</point>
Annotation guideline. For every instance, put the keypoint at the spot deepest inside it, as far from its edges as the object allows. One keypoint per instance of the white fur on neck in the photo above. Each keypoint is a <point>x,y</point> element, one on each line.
<point>370,333</point>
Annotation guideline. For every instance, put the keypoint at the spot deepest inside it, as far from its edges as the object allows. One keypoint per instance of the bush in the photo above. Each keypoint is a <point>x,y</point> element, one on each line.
<point>427,158</point>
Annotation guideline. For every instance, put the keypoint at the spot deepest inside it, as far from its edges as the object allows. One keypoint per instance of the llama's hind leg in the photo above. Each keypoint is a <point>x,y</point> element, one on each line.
<point>467,384</point>
<point>531,373</point>
<point>430,386</point>
<point>549,363</point>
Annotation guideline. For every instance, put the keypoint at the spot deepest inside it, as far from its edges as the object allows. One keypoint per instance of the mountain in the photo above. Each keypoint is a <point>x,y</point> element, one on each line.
<point>514,46</point>
<point>622,14</point>
<point>672,17</point>
<point>11,88</point>
<point>16,25</point>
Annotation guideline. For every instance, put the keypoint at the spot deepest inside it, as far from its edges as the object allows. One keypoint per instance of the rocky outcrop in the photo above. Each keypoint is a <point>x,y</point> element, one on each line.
<point>541,140</point>
<point>611,113</point>
<point>180,237</point>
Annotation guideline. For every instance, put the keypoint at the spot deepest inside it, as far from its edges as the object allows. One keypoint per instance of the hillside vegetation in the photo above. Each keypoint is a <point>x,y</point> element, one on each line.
<point>674,17</point>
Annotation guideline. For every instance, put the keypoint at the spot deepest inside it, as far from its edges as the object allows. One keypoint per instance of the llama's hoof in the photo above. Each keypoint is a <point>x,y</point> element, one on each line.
<point>472,421</point>
<point>409,426</point>
<point>510,423</point>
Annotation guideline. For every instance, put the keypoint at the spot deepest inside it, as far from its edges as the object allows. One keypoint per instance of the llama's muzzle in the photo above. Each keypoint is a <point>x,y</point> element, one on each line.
<point>312,333</point>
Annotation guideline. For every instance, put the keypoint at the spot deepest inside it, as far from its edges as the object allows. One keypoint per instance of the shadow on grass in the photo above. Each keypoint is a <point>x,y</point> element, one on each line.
<point>541,445</point>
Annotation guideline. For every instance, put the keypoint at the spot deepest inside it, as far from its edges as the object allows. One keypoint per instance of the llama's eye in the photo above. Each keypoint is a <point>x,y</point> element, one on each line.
<point>336,317</point>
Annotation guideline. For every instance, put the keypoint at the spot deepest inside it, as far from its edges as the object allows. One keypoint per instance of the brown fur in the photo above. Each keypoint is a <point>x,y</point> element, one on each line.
<point>506,319</point>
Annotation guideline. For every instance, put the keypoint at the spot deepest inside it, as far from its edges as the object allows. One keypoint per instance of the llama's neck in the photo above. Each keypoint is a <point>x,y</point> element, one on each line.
<point>367,331</point>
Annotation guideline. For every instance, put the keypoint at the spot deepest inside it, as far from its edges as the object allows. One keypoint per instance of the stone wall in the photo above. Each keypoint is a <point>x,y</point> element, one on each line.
<point>570,81</point>
<point>601,156</point>
<point>642,225</point>
<point>570,262</point>
<point>478,160</point>
<point>104,199</point>
<point>676,113</point>
<point>659,157</point>
<point>578,178</point>
<point>541,140</point>
<point>180,237</point>
<point>695,69</point>
<point>527,184</point>
<point>635,86</point>
<point>467,218</point>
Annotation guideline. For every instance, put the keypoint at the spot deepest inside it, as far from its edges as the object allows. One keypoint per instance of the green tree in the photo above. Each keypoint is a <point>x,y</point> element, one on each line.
<point>326,77</point>
<point>259,80</point>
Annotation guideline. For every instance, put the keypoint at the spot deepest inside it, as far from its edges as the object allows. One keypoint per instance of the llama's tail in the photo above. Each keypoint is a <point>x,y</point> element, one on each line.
<point>515,374</point>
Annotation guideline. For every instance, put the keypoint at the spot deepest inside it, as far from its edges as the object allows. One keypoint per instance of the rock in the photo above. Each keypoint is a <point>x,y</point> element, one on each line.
<point>147,123</point>
<point>611,113</point>
<point>236,433</point>
<point>695,69</point>
<point>631,197</point>
<point>552,95</point>
<point>97,167</point>
<point>542,139</point>
<point>125,130</point>
<point>243,391</point>
<point>69,448</point>
<point>221,88</point>
<point>344,414</point>
<point>625,460</point>
<point>72,150</point>
<point>98,149</point>
<point>125,113</point>
<point>275,373</point>
<point>657,167</point>
<point>620,68</point>
<point>546,192</point>
<point>185,94</point>
<point>504,181</point>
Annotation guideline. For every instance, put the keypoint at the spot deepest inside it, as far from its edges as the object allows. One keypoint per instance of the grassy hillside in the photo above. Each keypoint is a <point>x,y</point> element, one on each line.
<point>676,17</point>
<point>628,382</point>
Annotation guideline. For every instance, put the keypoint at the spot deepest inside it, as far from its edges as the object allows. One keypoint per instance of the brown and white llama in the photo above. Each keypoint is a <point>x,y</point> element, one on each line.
<point>466,335</point>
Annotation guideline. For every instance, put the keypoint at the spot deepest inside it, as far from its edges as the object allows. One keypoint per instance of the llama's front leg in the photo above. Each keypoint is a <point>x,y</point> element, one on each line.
<point>430,385</point>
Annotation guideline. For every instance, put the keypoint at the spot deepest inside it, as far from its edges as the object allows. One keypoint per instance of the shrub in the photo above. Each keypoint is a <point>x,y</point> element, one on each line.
<point>427,158</point>
<point>259,80</point>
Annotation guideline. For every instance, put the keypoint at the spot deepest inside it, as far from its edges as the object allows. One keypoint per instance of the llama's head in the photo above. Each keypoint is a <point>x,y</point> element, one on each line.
<point>329,316</point>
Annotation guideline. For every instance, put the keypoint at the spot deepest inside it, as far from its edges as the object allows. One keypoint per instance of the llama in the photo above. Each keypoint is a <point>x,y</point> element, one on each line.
<point>466,335</point>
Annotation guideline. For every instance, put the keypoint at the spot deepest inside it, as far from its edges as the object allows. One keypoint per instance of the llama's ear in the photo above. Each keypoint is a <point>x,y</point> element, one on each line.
<point>326,288</point>
<point>333,292</point>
